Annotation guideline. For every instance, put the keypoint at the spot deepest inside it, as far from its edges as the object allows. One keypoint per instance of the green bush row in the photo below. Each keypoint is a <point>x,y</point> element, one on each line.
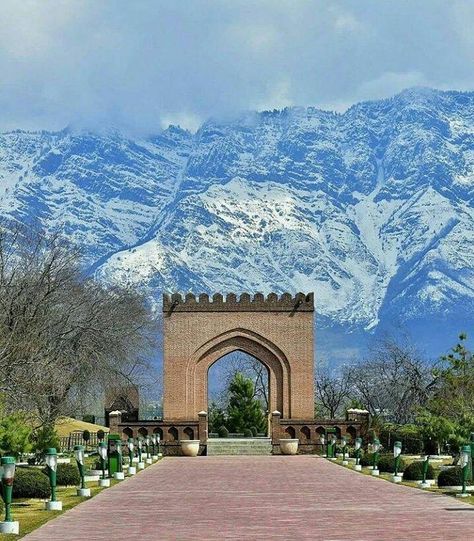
<point>452,477</point>
<point>386,462</point>
<point>414,472</point>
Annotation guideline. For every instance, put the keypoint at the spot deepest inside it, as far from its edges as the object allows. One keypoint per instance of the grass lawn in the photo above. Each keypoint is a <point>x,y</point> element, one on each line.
<point>31,514</point>
<point>413,484</point>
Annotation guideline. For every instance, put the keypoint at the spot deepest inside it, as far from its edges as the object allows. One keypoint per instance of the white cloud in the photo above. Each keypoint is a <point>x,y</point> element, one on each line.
<point>138,65</point>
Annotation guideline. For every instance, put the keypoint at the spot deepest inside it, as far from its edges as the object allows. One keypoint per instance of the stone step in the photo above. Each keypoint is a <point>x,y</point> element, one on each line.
<point>230,446</point>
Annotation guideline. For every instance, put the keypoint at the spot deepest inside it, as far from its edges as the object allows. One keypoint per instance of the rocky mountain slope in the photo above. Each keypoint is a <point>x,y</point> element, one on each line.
<point>371,209</point>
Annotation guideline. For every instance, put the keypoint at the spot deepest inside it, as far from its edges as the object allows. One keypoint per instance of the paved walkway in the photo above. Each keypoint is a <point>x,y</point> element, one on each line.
<point>246,498</point>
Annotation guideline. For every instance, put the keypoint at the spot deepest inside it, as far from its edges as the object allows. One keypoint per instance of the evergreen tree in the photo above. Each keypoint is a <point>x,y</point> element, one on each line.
<point>244,410</point>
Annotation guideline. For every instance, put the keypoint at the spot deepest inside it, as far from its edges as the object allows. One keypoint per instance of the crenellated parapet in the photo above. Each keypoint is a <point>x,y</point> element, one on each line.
<point>245,302</point>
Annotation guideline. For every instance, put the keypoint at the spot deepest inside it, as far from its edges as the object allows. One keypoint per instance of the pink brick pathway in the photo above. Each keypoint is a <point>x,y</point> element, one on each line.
<point>302,497</point>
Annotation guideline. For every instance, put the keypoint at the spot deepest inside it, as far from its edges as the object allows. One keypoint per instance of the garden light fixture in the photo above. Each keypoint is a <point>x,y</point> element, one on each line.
<point>343,446</point>
<point>426,462</point>
<point>397,454</point>
<point>132,470</point>
<point>79,456</point>
<point>322,440</point>
<point>464,463</point>
<point>51,459</point>
<point>357,446</point>
<point>102,449</point>
<point>7,471</point>
<point>375,456</point>
<point>141,464</point>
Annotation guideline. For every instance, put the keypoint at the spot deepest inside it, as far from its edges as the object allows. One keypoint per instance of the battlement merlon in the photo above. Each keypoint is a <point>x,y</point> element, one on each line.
<point>286,302</point>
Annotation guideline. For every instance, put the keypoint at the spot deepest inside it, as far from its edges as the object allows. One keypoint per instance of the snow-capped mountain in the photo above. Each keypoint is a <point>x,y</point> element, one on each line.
<point>371,209</point>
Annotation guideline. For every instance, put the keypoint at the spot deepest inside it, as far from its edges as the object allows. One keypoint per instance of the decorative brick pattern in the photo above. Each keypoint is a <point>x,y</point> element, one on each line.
<point>260,498</point>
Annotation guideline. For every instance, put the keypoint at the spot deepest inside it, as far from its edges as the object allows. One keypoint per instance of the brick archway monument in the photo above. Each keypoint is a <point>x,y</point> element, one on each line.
<point>278,331</point>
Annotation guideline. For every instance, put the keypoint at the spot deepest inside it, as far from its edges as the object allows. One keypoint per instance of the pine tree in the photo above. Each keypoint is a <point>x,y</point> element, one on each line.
<point>244,410</point>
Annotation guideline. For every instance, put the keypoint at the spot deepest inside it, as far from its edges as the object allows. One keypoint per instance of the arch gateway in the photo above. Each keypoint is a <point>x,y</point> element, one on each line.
<point>276,330</point>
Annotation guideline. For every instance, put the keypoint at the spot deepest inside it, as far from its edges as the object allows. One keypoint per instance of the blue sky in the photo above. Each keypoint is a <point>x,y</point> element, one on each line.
<point>140,65</point>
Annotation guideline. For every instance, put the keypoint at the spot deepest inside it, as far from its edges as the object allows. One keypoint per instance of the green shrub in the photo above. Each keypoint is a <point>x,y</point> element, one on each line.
<point>414,471</point>
<point>67,475</point>
<point>223,432</point>
<point>385,463</point>
<point>30,483</point>
<point>451,477</point>
<point>100,435</point>
<point>247,433</point>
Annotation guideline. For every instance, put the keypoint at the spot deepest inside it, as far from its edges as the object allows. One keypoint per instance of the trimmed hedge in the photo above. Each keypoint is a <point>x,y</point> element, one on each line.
<point>385,463</point>
<point>30,483</point>
<point>414,471</point>
<point>247,433</point>
<point>451,477</point>
<point>66,475</point>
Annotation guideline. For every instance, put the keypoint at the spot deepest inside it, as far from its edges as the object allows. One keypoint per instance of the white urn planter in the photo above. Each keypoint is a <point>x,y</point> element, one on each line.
<point>289,446</point>
<point>190,447</point>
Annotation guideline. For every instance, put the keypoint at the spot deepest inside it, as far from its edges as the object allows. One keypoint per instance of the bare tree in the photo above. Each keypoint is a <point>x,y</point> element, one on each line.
<point>392,382</point>
<point>332,392</point>
<point>62,335</point>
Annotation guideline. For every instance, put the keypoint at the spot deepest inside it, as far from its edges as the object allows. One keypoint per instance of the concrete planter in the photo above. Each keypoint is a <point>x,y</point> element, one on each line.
<point>83,492</point>
<point>190,447</point>
<point>132,470</point>
<point>288,446</point>
<point>104,483</point>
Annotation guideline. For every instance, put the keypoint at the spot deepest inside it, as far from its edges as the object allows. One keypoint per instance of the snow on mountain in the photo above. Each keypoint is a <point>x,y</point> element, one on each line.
<point>372,209</point>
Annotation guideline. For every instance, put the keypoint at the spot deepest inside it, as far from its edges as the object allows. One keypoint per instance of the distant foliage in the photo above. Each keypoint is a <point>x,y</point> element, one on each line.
<point>223,432</point>
<point>15,434</point>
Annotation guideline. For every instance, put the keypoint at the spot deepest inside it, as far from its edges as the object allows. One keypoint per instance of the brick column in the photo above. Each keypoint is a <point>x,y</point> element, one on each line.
<point>115,418</point>
<point>276,416</point>
<point>203,427</point>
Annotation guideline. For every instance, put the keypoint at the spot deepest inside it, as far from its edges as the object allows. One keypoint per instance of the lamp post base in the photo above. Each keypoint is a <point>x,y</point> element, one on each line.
<point>53,506</point>
<point>141,465</point>
<point>10,527</point>
<point>154,458</point>
<point>119,475</point>
<point>397,478</point>
<point>375,473</point>
<point>345,462</point>
<point>132,470</point>
<point>357,467</point>
<point>160,454</point>
<point>135,460</point>
<point>425,485</point>
<point>104,483</point>
<point>462,495</point>
<point>84,492</point>
<point>149,461</point>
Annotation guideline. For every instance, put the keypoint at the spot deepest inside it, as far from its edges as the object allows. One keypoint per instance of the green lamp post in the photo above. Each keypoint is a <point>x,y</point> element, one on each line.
<point>344,447</point>
<point>375,457</point>
<point>79,456</point>
<point>464,463</point>
<point>102,449</point>
<point>357,448</point>
<point>7,471</point>
<point>141,464</point>
<point>51,459</point>
<point>332,453</point>
<point>322,440</point>
<point>147,450</point>
<point>132,470</point>
<point>159,453</point>
<point>397,455</point>
<point>154,455</point>
<point>424,472</point>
